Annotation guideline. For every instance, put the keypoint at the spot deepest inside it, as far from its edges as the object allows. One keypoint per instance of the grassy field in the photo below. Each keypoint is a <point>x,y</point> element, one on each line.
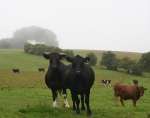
<point>25,95</point>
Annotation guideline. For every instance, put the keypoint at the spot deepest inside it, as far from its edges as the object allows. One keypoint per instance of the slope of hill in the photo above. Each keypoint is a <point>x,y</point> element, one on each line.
<point>15,58</point>
<point>25,95</point>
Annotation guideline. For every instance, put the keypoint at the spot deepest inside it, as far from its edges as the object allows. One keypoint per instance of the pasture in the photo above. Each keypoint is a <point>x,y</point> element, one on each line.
<point>25,95</point>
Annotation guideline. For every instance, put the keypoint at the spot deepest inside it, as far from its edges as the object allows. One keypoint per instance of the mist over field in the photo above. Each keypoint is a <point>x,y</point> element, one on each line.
<point>32,34</point>
<point>45,43</point>
<point>97,25</point>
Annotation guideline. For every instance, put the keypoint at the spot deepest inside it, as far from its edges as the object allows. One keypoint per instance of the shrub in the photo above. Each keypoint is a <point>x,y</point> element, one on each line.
<point>38,49</point>
<point>93,59</point>
<point>145,61</point>
<point>136,69</point>
<point>126,63</point>
<point>109,60</point>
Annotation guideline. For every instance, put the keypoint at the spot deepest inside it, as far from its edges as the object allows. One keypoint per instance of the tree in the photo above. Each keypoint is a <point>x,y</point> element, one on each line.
<point>126,63</point>
<point>32,33</point>
<point>39,49</point>
<point>145,61</point>
<point>109,60</point>
<point>93,59</point>
<point>136,69</point>
<point>5,44</point>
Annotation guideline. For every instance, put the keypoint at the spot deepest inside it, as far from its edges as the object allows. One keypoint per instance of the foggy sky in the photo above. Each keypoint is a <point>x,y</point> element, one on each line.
<point>122,25</point>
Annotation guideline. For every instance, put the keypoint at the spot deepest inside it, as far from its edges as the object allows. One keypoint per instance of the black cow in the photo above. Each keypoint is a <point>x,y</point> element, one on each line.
<point>15,70</point>
<point>80,78</point>
<point>41,69</point>
<point>55,76</point>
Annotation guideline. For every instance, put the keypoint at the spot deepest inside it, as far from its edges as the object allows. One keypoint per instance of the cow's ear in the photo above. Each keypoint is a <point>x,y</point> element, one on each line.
<point>69,59</point>
<point>86,59</point>
<point>46,55</point>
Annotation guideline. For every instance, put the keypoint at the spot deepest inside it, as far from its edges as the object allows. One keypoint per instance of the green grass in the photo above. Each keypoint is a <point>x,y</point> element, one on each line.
<point>25,95</point>
<point>18,59</point>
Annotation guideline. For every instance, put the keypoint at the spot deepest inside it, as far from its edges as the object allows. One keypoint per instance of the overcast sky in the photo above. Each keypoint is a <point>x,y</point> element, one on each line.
<point>122,25</point>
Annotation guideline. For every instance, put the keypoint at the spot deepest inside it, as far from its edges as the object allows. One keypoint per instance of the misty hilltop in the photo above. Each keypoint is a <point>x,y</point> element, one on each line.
<point>30,34</point>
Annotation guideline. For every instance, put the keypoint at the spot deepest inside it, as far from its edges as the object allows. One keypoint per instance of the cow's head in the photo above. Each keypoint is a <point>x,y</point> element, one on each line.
<point>54,59</point>
<point>78,63</point>
<point>142,89</point>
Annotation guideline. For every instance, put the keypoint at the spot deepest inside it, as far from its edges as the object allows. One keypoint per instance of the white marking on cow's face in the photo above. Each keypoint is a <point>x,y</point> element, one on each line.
<point>55,104</point>
<point>66,103</point>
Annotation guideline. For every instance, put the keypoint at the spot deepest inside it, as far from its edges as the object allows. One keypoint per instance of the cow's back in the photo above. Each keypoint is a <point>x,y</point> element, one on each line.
<point>82,82</point>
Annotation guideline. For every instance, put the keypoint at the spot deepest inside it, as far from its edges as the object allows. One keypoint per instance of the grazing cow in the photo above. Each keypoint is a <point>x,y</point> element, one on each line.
<point>15,70</point>
<point>80,78</point>
<point>55,76</point>
<point>106,83</point>
<point>126,92</point>
<point>41,69</point>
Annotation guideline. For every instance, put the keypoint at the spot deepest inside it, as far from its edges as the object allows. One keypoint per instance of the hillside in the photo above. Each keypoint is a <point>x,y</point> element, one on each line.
<point>25,95</point>
<point>15,58</point>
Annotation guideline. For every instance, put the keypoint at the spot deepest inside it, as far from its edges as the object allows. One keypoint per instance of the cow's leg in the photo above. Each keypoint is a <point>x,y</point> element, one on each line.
<point>77,101</point>
<point>134,103</point>
<point>82,102</point>
<point>87,103</point>
<point>65,99</point>
<point>121,100</point>
<point>54,95</point>
<point>73,101</point>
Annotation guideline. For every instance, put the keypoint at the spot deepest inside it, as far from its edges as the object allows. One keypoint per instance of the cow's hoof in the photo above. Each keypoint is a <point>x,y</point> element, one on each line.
<point>55,105</point>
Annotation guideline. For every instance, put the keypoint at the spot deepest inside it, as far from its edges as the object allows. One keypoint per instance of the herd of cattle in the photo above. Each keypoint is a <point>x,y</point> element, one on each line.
<point>79,77</point>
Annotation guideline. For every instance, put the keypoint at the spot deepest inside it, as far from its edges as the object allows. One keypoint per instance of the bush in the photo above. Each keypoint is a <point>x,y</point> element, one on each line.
<point>136,69</point>
<point>145,62</point>
<point>126,63</point>
<point>93,59</point>
<point>4,44</point>
<point>109,60</point>
<point>38,49</point>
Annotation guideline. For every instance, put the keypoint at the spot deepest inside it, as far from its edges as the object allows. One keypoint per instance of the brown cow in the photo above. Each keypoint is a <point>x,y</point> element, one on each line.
<point>126,92</point>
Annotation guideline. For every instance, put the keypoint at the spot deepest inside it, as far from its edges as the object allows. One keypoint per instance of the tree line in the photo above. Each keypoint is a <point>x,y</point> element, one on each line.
<point>137,67</point>
<point>39,49</point>
<point>109,59</point>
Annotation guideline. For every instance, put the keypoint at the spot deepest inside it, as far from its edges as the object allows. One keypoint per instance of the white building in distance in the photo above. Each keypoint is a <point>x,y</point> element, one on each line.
<point>34,42</point>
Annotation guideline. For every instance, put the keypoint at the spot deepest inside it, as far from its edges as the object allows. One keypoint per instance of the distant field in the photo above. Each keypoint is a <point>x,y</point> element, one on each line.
<point>25,95</point>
